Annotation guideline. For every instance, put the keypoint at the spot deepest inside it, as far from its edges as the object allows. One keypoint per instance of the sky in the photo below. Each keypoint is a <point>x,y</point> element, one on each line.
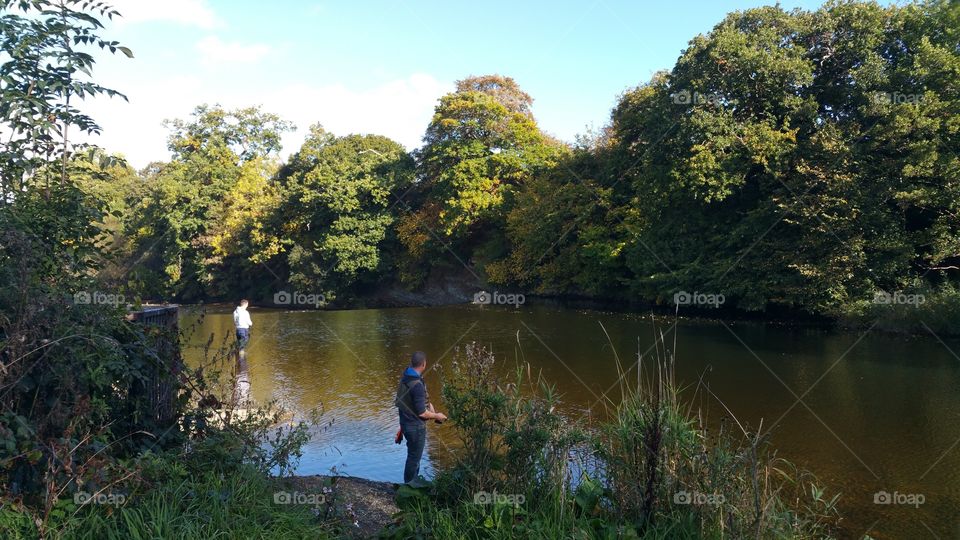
<point>371,66</point>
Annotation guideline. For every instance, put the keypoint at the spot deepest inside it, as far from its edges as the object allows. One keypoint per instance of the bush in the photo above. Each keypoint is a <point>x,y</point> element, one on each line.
<point>648,472</point>
<point>512,441</point>
<point>919,311</point>
<point>77,412</point>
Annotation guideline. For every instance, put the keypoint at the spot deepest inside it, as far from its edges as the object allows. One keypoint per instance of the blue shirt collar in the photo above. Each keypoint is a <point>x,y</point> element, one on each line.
<point>410,372</point>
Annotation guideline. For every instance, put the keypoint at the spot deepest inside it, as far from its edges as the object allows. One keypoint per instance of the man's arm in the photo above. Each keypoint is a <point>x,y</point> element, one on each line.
<point>424,410</point>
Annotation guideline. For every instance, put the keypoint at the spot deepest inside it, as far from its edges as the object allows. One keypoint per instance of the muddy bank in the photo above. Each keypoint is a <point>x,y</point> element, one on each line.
<point>361,508</point>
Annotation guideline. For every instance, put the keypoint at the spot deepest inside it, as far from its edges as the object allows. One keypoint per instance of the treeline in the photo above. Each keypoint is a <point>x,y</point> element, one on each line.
<point>799,160</point>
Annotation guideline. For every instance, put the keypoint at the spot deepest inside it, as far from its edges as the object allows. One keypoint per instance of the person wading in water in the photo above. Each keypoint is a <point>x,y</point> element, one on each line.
<point>241,320</point>
<point>415,409</point>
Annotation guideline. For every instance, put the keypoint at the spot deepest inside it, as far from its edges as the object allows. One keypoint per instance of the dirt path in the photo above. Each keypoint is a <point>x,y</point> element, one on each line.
<point>364,507</point>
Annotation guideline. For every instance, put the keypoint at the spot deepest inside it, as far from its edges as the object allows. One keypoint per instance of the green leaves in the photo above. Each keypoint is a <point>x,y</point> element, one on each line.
<point>481,147</point>
<point>42,70</point>
<point>340,200</point>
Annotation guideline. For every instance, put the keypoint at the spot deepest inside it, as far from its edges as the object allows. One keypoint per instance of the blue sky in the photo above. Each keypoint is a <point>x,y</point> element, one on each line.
<point>379,66</point>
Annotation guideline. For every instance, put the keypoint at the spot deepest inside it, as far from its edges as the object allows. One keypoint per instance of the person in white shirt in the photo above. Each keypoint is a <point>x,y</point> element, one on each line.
<point>241,319</point>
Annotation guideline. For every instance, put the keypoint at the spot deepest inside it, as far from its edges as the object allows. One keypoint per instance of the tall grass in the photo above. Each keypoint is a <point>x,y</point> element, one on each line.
<point>660,469</point>
<point>215,505</point>
<point>652,470</point>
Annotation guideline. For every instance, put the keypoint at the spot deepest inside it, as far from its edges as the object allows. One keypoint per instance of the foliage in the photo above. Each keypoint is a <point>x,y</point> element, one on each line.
<point>337,208</point>
<point>560,228</point>
<point>195,204</point>
<point>795,160</point>
<point>513,439</point>
<point>792,161</point>
<point>72,370</point>
<point>78,410</point>
<point>651,470</point>
<point>46,64</point>
<point>938,312</point>
<point>480,147</point>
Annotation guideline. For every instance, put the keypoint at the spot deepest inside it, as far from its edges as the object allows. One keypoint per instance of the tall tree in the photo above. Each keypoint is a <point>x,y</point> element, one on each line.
<point>481,145</point>
<point>180,226</point>
<point>339,203</point>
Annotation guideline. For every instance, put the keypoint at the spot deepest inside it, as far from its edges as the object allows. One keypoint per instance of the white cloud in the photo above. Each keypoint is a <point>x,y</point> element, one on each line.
<point>399,109</point>
<point>214,51</point>
<point>135,128</point>
<point>185,12</point>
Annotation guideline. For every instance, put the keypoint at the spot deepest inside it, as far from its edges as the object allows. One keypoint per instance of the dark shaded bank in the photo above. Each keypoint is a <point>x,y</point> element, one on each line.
<point>940,313</point>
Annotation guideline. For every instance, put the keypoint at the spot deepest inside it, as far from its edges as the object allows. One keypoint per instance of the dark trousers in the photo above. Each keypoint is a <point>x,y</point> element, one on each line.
<point>416,435</point>
<point>243,336</point>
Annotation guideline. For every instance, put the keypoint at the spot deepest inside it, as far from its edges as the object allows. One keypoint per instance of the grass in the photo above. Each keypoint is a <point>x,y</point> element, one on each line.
<point>238,504</point>
<point>653,470</point>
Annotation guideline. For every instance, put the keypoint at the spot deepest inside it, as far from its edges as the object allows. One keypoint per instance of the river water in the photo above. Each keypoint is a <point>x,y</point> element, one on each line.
<point>866,412</point>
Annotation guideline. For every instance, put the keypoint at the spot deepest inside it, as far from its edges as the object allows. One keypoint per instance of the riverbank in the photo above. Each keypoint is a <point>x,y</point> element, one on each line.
<point>360,508</point>
<point>939,313</point>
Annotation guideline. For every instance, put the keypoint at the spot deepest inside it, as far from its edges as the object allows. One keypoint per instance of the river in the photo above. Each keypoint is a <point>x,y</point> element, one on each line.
<point>865,412</point>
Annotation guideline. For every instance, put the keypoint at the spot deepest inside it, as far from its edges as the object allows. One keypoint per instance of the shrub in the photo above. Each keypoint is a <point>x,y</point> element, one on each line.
<point>512,438</point>
<point>650,471</point>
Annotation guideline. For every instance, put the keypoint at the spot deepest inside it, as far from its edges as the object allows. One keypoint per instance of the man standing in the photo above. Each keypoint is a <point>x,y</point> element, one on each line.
<point>415,410</point>
<point>241,319</point>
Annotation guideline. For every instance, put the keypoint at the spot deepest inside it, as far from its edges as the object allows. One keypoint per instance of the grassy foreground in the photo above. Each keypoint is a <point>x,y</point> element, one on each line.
<point>653,470</point>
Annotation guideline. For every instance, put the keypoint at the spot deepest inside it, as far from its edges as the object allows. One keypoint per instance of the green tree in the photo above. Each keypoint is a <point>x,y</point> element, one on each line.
<point>481,145</point>
<point>791,170</point>
<point>339,203</point>
<point>179,228</point>
<point>46,69</point>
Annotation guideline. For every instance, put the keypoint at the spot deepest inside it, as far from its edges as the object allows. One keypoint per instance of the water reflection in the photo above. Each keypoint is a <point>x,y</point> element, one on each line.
<point>241,377</point>
<point>878,412</point>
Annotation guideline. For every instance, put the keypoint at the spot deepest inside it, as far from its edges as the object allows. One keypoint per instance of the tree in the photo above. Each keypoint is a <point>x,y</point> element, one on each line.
<point>563,229</point>
<point>797,160</point>
<point>47,69</point>
<point>480,146</point>
<point>182,226</point>
<point>338,207</point>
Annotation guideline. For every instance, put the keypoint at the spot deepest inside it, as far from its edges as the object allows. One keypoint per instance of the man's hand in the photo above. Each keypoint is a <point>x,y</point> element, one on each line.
<point>431,415</point>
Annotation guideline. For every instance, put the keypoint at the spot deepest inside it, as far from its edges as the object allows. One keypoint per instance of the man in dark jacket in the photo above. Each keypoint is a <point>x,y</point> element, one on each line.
<point>415,409</point>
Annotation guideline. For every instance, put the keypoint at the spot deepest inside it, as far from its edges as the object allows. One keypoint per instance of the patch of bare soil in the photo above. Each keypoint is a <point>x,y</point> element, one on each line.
<point>362,507</point>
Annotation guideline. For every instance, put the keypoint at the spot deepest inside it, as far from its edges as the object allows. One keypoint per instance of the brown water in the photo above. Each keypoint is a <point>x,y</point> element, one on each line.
<point>875,412</point>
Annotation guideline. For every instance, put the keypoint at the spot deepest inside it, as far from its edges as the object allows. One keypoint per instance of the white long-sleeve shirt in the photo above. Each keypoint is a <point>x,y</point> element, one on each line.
<point>241,318</point>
